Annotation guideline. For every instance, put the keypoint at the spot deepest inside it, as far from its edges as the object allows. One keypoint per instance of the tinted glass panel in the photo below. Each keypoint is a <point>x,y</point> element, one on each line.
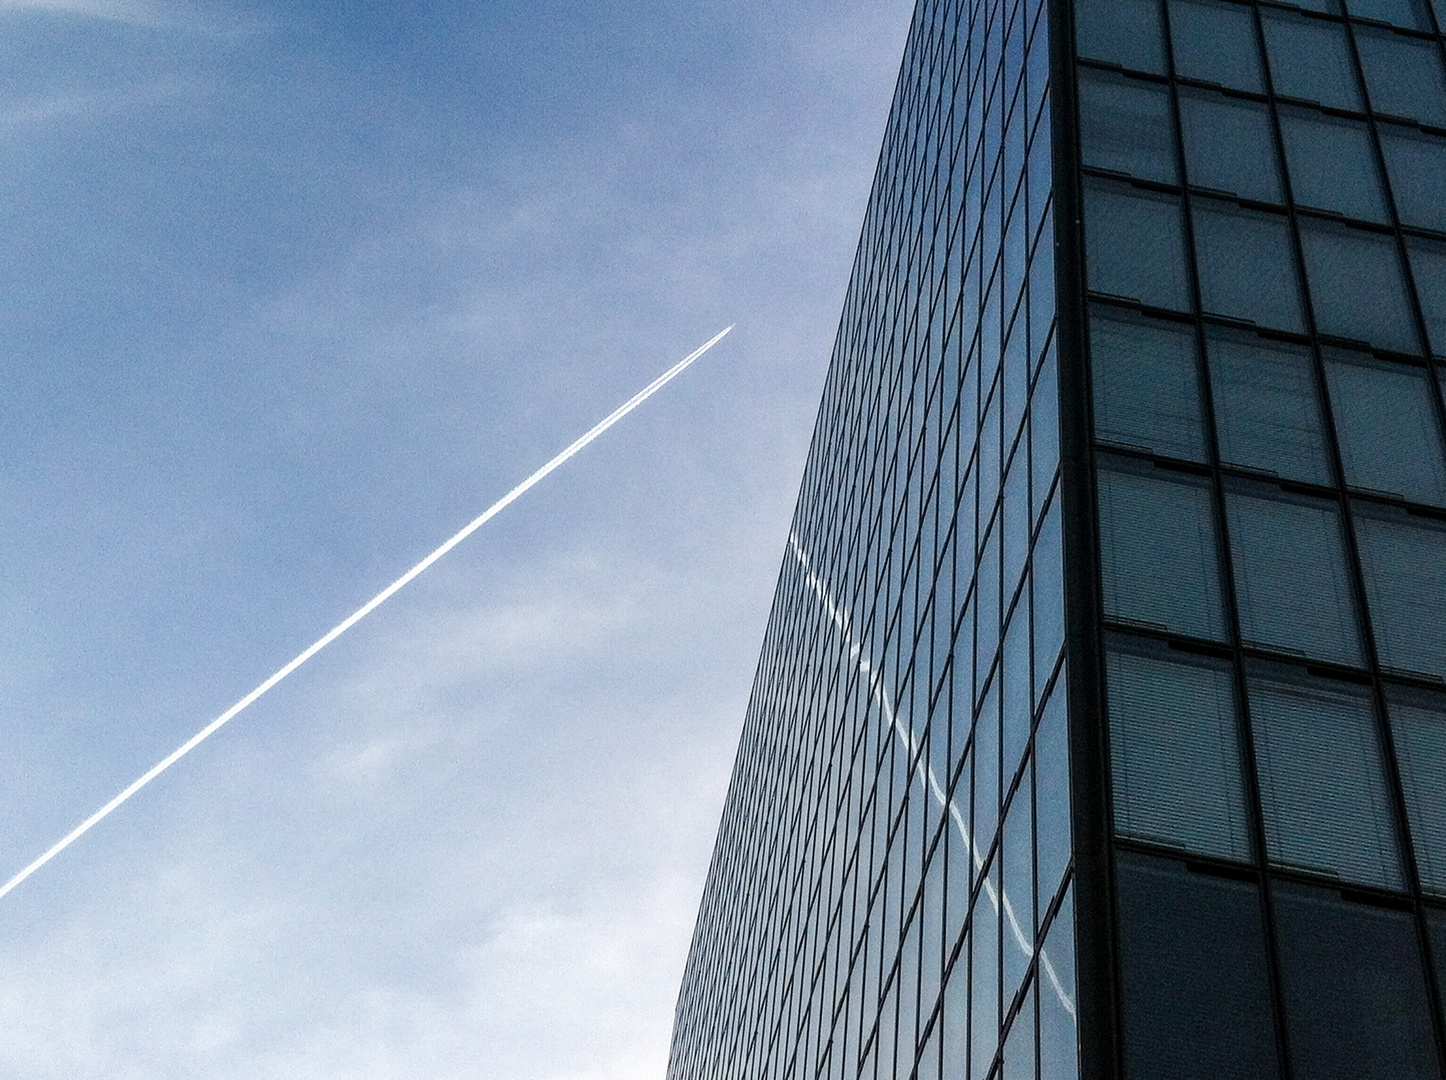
<point>1408,13</point>
<point>1229,145</point>
<point>1291,580</point>
<point>1267,410</point>
<point>1146,383</point>
<point>1436,923</point>
<point>1196,996</point>
<point>1387,428</point>
<point>1124,32</point>
<point>1428,268</point>
<point>1356,285</point>
<point>1403,75</point>
<point>1175,750</point>
<point>1404,560</point>
<point>1215,42</point>
<point>1417,165</point>
<point>1311,59</point>
<point>1351,968</point>
<point>1051,774</point>
<point>1247,266</point>
<point>1418,724</point>
<point>1157,536</point>
<point>1323,789</point>
<point>1058,1036</point>
<point>1135,245</point>
<point>1332,164</point>
<point>1126,125</point>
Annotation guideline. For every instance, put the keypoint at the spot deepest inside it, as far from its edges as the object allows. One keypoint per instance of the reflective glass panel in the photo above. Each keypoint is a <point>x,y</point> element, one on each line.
<point>1267,409</point>
<point>1417,166</point>
<point>1323,787</point>
<point>1428,269</point>
<point>1157,540</point>
<point>1127,125</point>
<point>1146,383</point>
<point>1311,59</point>
<point>1058,1033</point>
<point>1175,750</point>
<point>1195,988</point>
<point>1404,561</point>
<point>1418,726</point>
<point>1247,265</point>
<point>1135,244</point>
<point>1403,75</point>
<point>1408,13</point>
<point>1292,584</point>
<point>1124,32</point>
<point>1332,164</point>
<point>1215,42</point>
<point>1229,145</point>
<point>1386,424</point>
<point>1356,969</point>
<point>1356,287</point>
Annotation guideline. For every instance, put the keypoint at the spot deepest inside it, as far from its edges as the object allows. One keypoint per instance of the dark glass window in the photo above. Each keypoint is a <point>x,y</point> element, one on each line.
<point>1408,13</point>
<point>1215,42</point>
<point>1332,164</point>
<point>1418,724</point>
<point>1403,75</point>
<point>1058,1034</point>
<point>1386,425</point>
<point>1175,750</point>
<point>1428,268</point>
<point>1356,286</point>
<point>1126,125</point>
<point>1436,924</point>
<point>1195,990</point>
<point>1417,166</point>
<point>1291,577</point>
<point>1311,59</point>
<point>1051,771</point>
<point>1247,267</point>
<point>1404,561</point>
<point>1124,32</point>
<point>1355,995</point>
<point>1135,244</point>
<point>1323,787</point>
<point>1146,383</point>
<point>1229,145</point>
<point>1157,534</point>
<point>1267,411</point>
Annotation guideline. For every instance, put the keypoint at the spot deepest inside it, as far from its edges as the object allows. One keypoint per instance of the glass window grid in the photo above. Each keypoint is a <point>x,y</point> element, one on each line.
<point>1371,673</point>
<point>886,439</point>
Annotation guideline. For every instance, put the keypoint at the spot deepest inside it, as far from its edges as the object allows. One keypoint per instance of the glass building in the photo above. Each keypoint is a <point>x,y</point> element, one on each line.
<point>1100,724</point>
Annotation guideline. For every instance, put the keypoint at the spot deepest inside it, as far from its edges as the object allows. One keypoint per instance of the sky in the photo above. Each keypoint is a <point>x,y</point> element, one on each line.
<point>288,294</point>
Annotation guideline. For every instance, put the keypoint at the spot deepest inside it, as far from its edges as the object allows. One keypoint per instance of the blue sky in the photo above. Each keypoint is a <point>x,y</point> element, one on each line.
<point>288,293</point>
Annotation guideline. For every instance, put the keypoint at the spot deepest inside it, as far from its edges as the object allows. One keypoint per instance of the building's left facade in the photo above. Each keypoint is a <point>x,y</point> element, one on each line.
<point>891,889</point>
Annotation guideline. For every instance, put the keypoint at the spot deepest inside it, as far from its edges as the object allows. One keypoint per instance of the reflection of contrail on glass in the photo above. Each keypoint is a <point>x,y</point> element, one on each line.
<point>365,610</point>
<point>905,733</point>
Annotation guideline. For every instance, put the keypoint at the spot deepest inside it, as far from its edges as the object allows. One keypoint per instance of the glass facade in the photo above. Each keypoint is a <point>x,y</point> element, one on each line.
<point>1100,725</point>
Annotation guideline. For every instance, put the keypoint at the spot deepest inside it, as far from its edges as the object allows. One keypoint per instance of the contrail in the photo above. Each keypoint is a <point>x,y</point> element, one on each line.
<point>362,612</point>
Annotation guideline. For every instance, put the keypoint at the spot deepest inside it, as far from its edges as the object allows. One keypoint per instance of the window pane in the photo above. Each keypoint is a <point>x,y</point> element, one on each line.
<point>1175,750</point>
<point>1332,164</point>
<point>1216,43</point>
<point>1126,125</point>
<point>1293,588</point>
<point>1247,267</point>
<point>1428,268</point>
<point>1157,535</point>
<point>1404,561</point>
<point>1436,923</point>
<point>1355,996</point>
<point>1418,723</point>
<point>1146,383</point>
<point>1403,75</point>
<point>1407,13</point>
<point>1135,245</point>
<point>1311,59</point>
<point>1051,774</point>
<point>1417,165</point>
<point>1323,788</point>
<point>1386,425</point>
<point>1124,32</point>
<point>1058,1035</point>
<point>1196,994</point>
<point>1267,411</point>
<point>1356,285</point>
<point>1229,145</point>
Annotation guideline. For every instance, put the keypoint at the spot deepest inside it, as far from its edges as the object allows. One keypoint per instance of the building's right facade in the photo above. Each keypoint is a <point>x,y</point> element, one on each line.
<point>1100,726</point>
